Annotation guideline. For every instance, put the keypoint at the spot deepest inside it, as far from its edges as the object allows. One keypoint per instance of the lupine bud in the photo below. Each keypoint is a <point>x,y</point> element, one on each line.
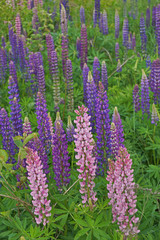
<point>86,163</point>
<point>21,53</point>
<point>12,72</point>
<point>125,32</point>
<point>158,27</point>
<point>155,80</point>
<point>64,54</point>
<point>114,141</point>
<point>82,15</point>
<point>18,25</point>
<point>50,48</point>
<point>104,76</point>
<point>148,17</point>
<point>121,192</point>
<point>148,62</point>
<point>118,123</point>
<point>27,126</point>
<point>154,16</point>
<point>38,186</point>
<point>66,6</point>
<point>84,48</point>
<point>119,67</point>
<point>145,94</point>
<point>117,51</point>
<point>101,22</point>
<point>64,28</point>
<point>41,79</point>
<point>29,4</point>
<point>97,11</point>
<point>85,78</point>
<point>51,128</point>
<point>70,130</point>
<point>116,24</point>
<point>105,23</point>
<point>70,93</point>
<point>78,47</point>
<point>154,116</point>
<point>96,71</point>
<point>136,100</point>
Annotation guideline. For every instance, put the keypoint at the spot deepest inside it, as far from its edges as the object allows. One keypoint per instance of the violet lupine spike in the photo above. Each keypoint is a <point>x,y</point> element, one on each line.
<point>66,6</point>
<point>96,71</point>
<point>118,123</point>
<point>154,16</point>
<point>16,117</point>
<point>82,15</point>
<point>33,71</point>
<point>78,47</point>
<point>70,93</point>
<point>104,23</point>
<point>102,128</point>
<point>43,121</point>
<point>91,91</point>
<point>3,63</point>
<point>38,186</point>
<point>116,24</point>
<point>50,48</point>
<point>41,79</point>
<point>148,17</point>
<point>155,80</point>
<point>114,141</point>
<point>134,41</point>
<point>3,42</point>
<point>12,72</point>
<point>13,90</point>
<point>154,116</point>
<point>143,34</point>
<point>61,166</point>
<point>117,51</point>
<point>13,43</point>
<point>145,105</point>
<point>27,127</point>
<point>55,76</point>
<point>148,62</point>
<point>84,47</point>
<point>86,160</point>
<point>124,9</point>
<point>70,130</point>
<point>158,27</point>
<point>97,11</point>
<point>7,134</point>
<point>121,193</point>
<point>136,98</point>
<point>64,54</point>
<point>85,78</point>
<point>64,27</point>
<point>119,67</point>
<point>21,54</point>
<point>35,3</point>
<point>18,25</point>
<point>125,32</point>
<point>104,76</point>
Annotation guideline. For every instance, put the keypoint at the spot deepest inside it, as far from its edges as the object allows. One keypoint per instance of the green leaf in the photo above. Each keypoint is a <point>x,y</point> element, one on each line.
<point>99,219</point>
<point>3,156</point>
<point>22,153</point>
<point>29,138</point>
<point>82,222</point>
<point>103,234</point>
<point>17,141</point>
<point>81,233</point>
<point>89,237</point>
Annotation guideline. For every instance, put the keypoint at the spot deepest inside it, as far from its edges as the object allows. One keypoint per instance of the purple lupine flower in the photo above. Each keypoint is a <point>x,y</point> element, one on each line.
<point>155,80</point>
<point>64,54</point>
<point>27,127</point>
<point>133,41</point>
<point>61,166</point>
<point>82,15</point>
<point>116,24</point>
<point>21,54</point>
<point>154,16</point>
<point>154,117</point>
<point>158,27</point>
<point>70,93</point>
<point>41,79</point>
<point>96,71</point>
<point>117,51</point>
<point>114,141</point>
<point>13,90</point>
<point>64,28</point>
<point>148,62</point>
<point>78,47</point>
<point>136,99</point>
<point>105,23</point>
<point>119,67</point>
<point>143,34</point>
<point>85,155</point>
<point>33,71</point>
<point>125,32</point>
<point>91,91</point>
<point>84,47</point>
<point>66,6</point>
<point>12,72</point>
<point>70,130</point>
<point>102,128</point>
<point>3,42</point>
<point>104,76</point>
<point>148,17</point>
<point>37,179</point>
<point>43,121</point>
<point>51,128</point>
<point>145,94</point>
<point>55,77</point>
<point>7,134</point>
<point>3,63</point>
<point>13,43</point>
<point>85,78</point>
<point>18,25</point>
<point>97,11</point>
<point>16,117</point>
<point>50,47</point>
<point>121,192</point>
<point>35,3</point>
<point>118,123</point>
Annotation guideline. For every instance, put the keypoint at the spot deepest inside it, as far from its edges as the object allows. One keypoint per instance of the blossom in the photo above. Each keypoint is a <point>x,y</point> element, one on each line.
<point>154,117</point>
<point>116,24</point>
<point>70,130</point>
<point>145,105</point>
<point>118,123</point>
<point>83,45</point>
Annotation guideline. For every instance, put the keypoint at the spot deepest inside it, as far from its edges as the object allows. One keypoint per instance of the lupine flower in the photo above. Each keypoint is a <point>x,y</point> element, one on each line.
<point>155,80</point>
<point>91,99</point>
<point>64,28</point>
<point>66,6</point>
<point>143,34</point>
<point>16,117</point>
<point>118,123</point>
<point>3,63</point>
<point>97,11</point>
<point>148,62</point>
<point>133,41</point>
<point>21,54</point>
<point>136,100</point>
<point>116,24</point>
<point>158,27</point>
<point>119,67</point>
<point>154,116</point>
<point>124,9</point>
<point>114,141</point>
<point>35,3</point>
<point>12,72</point>
<point>125,32</point>
<point>13,42</point>
<point>82,15</point>
<point>13,90</point>
<point>96,71</point>
<point>41,3</point>
<point>78,47</point>
<point>154,16</point>
<point>121,192</point>
<point>117,51</point>
<point>84,50</point>
<point>69,78</point>
<point>86,163</point>
<point>148,17</point>
<point>18,25</point>
<point>102,128</point>
<point>43,121</point>
<point>41,79</point>
<point>27,127</point>
<point>104,75</point>
<point>64,54</point>
<point>85,78</point>
<point>7,134</point>
<point>70,130</point>
<point>38,186</point>
<point>60,155</point>
<point>105,23</point>
<point>145,94</point>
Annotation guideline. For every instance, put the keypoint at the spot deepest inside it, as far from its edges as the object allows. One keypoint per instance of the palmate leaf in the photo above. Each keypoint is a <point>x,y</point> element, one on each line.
<point>81,233</point>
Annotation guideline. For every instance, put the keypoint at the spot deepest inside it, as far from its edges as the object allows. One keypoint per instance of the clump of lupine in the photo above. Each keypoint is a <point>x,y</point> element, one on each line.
<point>61,166</point>
<point>69,78</point>
<point>41,79</point>
<point>136,99</point>
<point>70,130</point>
<point>122,194</point>
<point>116,24</point>
<point>84,45</point>
<point>86,163</point>
<point>145,105</point>
<point>116,119</point>
<point>38,186</point>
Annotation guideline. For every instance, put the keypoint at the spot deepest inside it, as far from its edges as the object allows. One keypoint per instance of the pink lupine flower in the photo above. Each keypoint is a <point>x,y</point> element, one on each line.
<point>18,24</point>
<point>38,187</point>
<point>86,163</point>
<point>121,192</point>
